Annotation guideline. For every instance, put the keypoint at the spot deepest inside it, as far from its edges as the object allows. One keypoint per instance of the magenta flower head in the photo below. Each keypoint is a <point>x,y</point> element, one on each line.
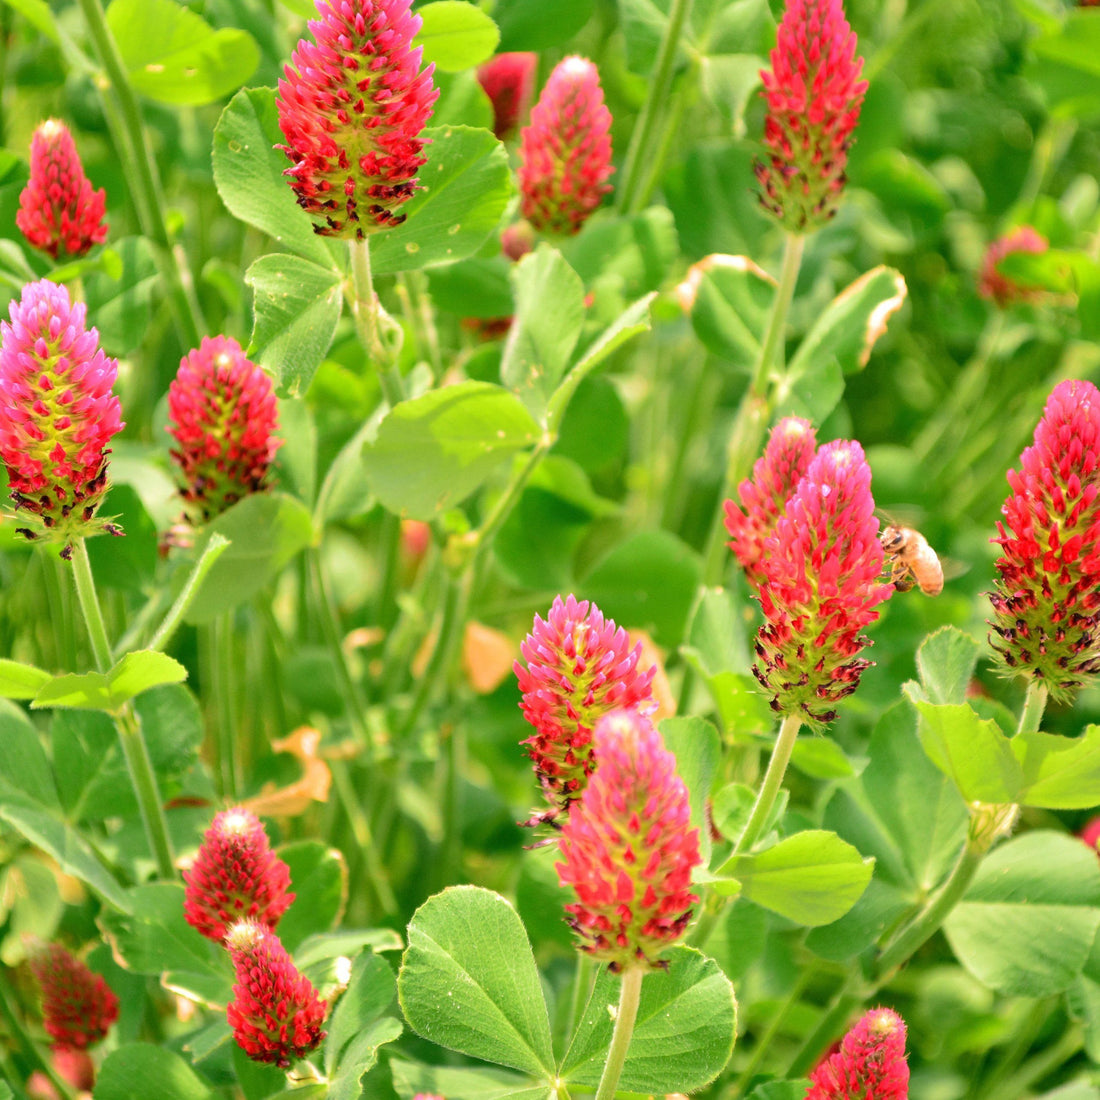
<point>628,848</point>
<point>223,416</point>
<point>1090,834</point>
<point>236,876</point>
<point>57,414</point>
<point>1046,604</point>
<point>509,82</point>
<point>276,1014</point>
<point>870,1064</point>
<point>59,212</point>
<point>565,151</point>
<point>351,108</point>
<point>820,587</point>
<point>78,1006</point>
<point>814,94</point>
<point>786,458</point>
<point>580,667</point>
<point>1003,290</point>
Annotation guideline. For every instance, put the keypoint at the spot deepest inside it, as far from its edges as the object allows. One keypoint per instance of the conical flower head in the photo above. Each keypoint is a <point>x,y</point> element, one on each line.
<point>787,456</point>
<point>580,667</point>
<point>276,1014</point>
<point>1046,604</point>
<point>57,413</point>
<point>351,107</point>
<point>565,151</point>
<point>628,848</point>
<point>59,212</point>
<point>814,94</point>
<point>236,876</point>
<point>820,587</point>
<point>1003,289</point>
<point>509,82</point>
<point>78,1006</point>
<point>223,416</point>
<point>870,1064</point>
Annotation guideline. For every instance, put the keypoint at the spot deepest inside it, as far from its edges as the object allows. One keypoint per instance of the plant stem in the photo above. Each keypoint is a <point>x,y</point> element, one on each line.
<point>213,550</point>
<point>146,185</point>
<point>760,1050</point>
<point>656,98</point>
<point>769,788</point>
<point>89,606</point>
<point>629,997</point>
<point>836,1016</point>
<point>1035,702</point>
<point>1043,1064</point>
<point>369,318</point>
<point>221,645</point>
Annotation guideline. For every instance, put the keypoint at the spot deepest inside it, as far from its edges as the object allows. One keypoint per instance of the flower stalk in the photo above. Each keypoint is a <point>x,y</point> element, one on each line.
<point>771,784</point>
<point>630,995</point>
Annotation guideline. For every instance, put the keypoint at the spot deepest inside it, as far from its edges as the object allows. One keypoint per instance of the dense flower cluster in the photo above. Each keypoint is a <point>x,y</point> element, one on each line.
<point>78,1007</point>
<point>276,1014</point>
<point>565,152</point>
<point>59,212</point>
<point>509,82</point>
<point>820,587</point>
<point>579,668</point>
<point>236,876</point>
<point>787,456</point>
<point>57,413</point>
<point>628,848</point>
<point>1002,289</point>
<point>1047,601</point>
<point>223,416</point>
<point>870,1064</point>
<point>814,93</point>
<point>352,107</point>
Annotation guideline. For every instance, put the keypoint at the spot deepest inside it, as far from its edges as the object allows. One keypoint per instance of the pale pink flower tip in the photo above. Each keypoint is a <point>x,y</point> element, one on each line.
<point>509,82</point>
<point>235,876</point>
<point>565,151</point>
<point>870,1064</point>
<point>775,476</point>
<point>1047,601</point>
<point>628,848</point>
<point>821,587</point>
<point>1003,289</point>
<point>579,668</point>
<point>352,107</point>
<point>814,94</point>
<point>78,1006</point>
<point>57,413</point>
<point>223,415</point>
<point>59,212</point>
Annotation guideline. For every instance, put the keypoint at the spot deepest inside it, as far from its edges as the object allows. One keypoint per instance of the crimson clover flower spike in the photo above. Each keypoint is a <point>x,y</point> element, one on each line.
<point>870,1064</point>
<point>235,876</point>
<point>821,587</point>
<point>1046,603</point>
<point>223,415</point>
<point>276,1014</point>
<point>814,94</point>
<point>787,456</point>
<point>59,213</point>
<point>1003,290</point>
<point>509,81</point>
<point>352,107</point>
<point>78,1006</point>
<point>628,848</point>
<point>565,150</point>
<point>580,666</point>
<point>58,412</point>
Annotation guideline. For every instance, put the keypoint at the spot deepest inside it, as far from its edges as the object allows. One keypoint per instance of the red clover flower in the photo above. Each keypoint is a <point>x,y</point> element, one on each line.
<point>870,1064</point>
<point>276,1014</point>
<point>1003,289</point>
<point>223,416</point>
<point>351,107</point>
<point>820,587</point>
<point>565,151</point>
<point>236,876</point>
<point>59,212</point>
<point>814,94</point>
<point>78,1006</point>
<point>509,82</point>
<point>57,413</point>
<point>1047,602</point>
<point>628,848</point>
<point>579,668</point>
<point>787,456</point>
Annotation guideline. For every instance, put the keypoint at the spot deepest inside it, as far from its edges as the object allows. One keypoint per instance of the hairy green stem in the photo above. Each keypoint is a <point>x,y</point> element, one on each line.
<point>836,1016</point>
<point>213,550</point>
<point>1035,703</point>
<point>378,333</point>
<point>629,997</point>
<point>1043,1064</point>
<point>769,788</point>
<point>221,645</point>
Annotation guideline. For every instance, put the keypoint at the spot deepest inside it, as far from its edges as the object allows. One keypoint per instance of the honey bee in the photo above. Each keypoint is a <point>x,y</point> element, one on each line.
<point>911,561</point>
